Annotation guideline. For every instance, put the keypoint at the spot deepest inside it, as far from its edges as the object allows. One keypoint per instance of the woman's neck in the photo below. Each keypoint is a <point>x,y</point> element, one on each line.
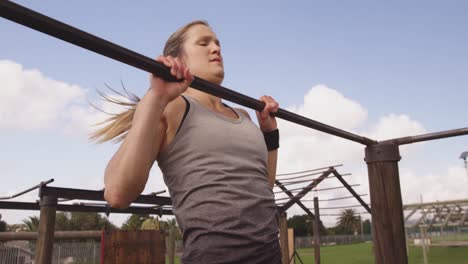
<point>208,100</point>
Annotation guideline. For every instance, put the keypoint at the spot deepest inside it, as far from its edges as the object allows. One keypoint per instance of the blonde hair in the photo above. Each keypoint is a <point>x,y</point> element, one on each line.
<point>117,125</point>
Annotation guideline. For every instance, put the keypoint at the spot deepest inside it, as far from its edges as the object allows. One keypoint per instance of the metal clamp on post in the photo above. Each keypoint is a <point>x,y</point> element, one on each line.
<point>382,152</point>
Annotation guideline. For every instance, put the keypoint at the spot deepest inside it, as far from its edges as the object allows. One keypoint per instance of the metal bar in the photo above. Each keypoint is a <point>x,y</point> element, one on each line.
<point>340,207</point>
<point>84,208</point>
<point>288,182</point>
<point>448,217</point>
<point>430,136</point>
<point>80,194</point>
<point>308,212</point>
<point>302,176</point>
<point>307,189</point>
<point>420,219</point>
<point>335,188</point>
<point>339,198</point>
<point>58,235</point>
<point>27,190</point>
<point>306,171</point>
<point>286,198</point>
<point>410,214</point>
<point>463,219</point>
<point>55,28</point>
<point>425,205</point>
<point>351,190</point>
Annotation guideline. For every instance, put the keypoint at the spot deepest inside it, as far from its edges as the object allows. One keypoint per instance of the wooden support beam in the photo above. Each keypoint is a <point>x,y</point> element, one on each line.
<point>420,219</point>
<point>58,235</point>
<point>308,212</point>
<point>463,219</point>
<point>351,190</point>
<point>283,226</point>
<point>45,239</point>
<point>410,214</point>
<point>386,203</point>
<point>307,189</point>
<point>447,219</point>
<point>316,231</point>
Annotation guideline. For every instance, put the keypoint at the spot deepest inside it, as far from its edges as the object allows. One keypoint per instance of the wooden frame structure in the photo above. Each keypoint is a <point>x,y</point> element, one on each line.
<point>300,192</point>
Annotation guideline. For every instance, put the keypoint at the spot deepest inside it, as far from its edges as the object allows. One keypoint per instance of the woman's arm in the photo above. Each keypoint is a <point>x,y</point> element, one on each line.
<point>127,172</point>
<point>272,161</point>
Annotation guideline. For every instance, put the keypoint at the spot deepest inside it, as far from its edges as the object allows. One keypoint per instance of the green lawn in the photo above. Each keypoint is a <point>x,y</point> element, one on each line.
<point>362,254</point>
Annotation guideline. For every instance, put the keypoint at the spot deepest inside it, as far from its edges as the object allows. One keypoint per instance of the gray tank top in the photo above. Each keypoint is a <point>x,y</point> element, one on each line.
<point>216,173</point>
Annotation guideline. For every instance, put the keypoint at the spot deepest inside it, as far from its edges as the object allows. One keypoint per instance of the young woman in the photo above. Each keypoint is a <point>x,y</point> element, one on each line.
<point>218,165</point>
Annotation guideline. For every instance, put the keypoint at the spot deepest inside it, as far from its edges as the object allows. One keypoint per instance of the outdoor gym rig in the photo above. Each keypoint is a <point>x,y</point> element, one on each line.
<point>382,157</point>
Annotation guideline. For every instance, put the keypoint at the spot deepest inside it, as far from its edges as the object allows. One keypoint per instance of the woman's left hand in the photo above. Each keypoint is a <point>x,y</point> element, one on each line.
<point>268,123</point>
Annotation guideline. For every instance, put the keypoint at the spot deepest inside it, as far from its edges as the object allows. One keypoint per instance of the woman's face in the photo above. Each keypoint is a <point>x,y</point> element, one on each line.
<point>202,54</point>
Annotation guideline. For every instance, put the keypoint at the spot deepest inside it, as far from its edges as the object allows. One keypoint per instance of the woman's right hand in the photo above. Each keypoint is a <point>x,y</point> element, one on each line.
<point>168,91</point>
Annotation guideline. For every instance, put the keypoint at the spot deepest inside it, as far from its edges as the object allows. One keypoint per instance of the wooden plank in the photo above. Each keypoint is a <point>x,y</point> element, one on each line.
<point>283,226</point>
<point>291,246</point>
<point>45,239</point>
<point>316,231</point>
<point>387,213</point>
<point>65,235</point>
<point>141,246</point>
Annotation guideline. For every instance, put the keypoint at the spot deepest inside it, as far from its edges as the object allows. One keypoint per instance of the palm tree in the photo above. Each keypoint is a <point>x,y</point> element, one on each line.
<point>31,224</point>
<point>348,219</point>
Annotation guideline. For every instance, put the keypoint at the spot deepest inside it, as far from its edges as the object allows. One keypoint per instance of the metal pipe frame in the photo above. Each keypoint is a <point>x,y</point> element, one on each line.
<point>299,203</point>
<point>27,190</point>
<point>351,190</point>
<point>307,171</point>
<point>57,29</point>
<point>307,189</point>
<point>80,194</point>
<point>86,208</point>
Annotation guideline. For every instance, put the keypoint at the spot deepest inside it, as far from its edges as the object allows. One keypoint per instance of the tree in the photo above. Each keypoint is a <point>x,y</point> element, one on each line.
<point>151,224</point>
<point>301,225</point>
<point>348,222</point>
<point>366,225</point>
<point>31,224</point>
<point>3,225</point>
<point>134,221</point>
<point>171,224</point>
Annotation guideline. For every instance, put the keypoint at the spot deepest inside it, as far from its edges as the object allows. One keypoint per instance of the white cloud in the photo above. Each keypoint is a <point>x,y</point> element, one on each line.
<point>29,100</point>
<point>304,148</point>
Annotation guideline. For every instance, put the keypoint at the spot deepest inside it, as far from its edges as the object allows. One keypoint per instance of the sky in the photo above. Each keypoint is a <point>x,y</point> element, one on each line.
<point>377,69</point>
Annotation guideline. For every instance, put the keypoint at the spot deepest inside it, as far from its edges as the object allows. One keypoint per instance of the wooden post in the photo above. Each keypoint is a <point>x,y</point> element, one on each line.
<point>292,247</point>
<point>317,231</point>
<point>45,240</point>
<point>387,209</point>
<point>423,241</point>
<point>283,226</point>
<point>171,254</point>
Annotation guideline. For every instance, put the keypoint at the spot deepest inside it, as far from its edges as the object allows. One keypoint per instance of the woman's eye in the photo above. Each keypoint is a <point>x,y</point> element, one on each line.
<point>203,43</point>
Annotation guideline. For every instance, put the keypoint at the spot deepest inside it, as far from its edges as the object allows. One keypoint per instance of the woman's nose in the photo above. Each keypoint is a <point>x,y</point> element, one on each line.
<point>215,48</point>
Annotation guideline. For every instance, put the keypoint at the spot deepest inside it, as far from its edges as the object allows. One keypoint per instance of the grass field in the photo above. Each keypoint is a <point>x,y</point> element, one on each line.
<point>362,254</point>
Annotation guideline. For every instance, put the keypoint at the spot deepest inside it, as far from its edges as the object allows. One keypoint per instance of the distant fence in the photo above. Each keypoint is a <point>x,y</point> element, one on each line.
<point>307,242</point>
<point>64,252</point>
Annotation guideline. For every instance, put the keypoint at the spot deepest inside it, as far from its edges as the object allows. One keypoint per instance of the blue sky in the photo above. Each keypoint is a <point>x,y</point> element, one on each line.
<point>401,58</point>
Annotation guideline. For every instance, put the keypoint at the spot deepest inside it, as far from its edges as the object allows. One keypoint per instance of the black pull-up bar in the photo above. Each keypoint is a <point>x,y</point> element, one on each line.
<point>55,28</point>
